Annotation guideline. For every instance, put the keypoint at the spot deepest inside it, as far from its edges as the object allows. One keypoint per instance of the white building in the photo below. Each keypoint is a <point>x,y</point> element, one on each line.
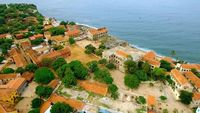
<point>118,56</point>
<point>94,34</point>
<point>181,83</point>
<point>188,67</point>
<point>195,100</point>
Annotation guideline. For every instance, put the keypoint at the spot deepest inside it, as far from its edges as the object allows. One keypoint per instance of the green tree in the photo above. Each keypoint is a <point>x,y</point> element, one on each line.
<point>146,67</point>
<point>166,65</point>
<point>113,89</point>
<point>1,59</point>
<point>79,70</point>
<point>63,70</point>
<point>195,72</point>
<point>131,81</point>
<point>71,40</point>
<point>110,66</point>
<point>43,91</point>
<point>103,75</point>
<point>20,70</point>
<point>158,73</point>
<point>185,97</point>
<point>163,98</point>
<point>43,75</point>
<point>46,62</point>
<point>37,110</point>
<point>57,31</point>
<point>141,74</point>
<point>141,100</point>
<point>130,66</point>
<point>63,23</point>
<point>61,108</point>
<point>102,46</point>
<point>37,41</point>
<point>102,61</point>
<point>31,67</point>
<point>72,23</point>
<point>8,70</point>
<point>58,63</point>
<point>69,80</point>
<point>92,66</point>
<point>173,53</point>
<point>89,49</point>
<point>37,102</point>
<point>99,52</point>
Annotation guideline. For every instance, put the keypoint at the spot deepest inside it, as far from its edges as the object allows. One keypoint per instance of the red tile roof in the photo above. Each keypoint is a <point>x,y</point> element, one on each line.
<point>8,76</point>
<point>28,75</point>
<point>193,78</point>
<point>150,54</point>
<point>196,96</point>
<point>36,36</point>
<point>98,31</point>
<point>122,53</point>
<point>54,83</point>
<point>95,87</point>
<point>151,100</point>
<point>178,77</point>
<point>18,58</point>
<point>191,66</point>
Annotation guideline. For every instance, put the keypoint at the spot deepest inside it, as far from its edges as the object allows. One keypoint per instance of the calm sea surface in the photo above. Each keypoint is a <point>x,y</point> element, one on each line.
<point>160,25</point>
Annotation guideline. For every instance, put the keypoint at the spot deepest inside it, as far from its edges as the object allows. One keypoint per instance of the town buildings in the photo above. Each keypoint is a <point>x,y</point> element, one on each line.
<point>151,58</point>
<point>94,34</point>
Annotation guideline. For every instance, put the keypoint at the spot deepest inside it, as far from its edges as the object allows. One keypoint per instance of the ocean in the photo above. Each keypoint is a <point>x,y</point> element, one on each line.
<point>159,25</point>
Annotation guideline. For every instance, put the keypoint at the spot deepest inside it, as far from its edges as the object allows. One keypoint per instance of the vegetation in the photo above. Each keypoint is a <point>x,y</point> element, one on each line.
<point>130,66</point>
<point>113,89</point>
<point>46,62</point>
<point>163,98</point>
<point>5,45</point>
<point>37,102</point>
<point>37,41</point>
<point>31,67</point>
<point>141,100</point>
<point>20,70</point>
<point>7,70</point>
<point>1,59</point>
<point>61,108</point>
<point>57,47</point>
<point>195,72</point>
<point>71,40</point>
<point>166,65</point>
<point>58,62</point>
<point>185,97</point>
<point>57,31</point>
<point>103,75</point>
<point>141,75</point>
<point>110,66</point>
<point>43,91</point>
<point>89,49</point>
<point>131,81</point>
<point>43,75</point>
<point>93,66</point>
<point>102,61</point>
<point>69,80</point>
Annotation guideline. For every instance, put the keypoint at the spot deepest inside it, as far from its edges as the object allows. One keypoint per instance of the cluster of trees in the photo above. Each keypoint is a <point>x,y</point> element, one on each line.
<point>61,108</point>
<point>195,72</point>
<point>89,49</point>
<point>1,59</point>
<point>12,17</point>
<point>37,102</point>
<point>70,72</point>
<point>67,23</point>
<point>57,31</point>
<point>186,97</point>
<point>141,71</point>
<point>166,65</point>
<point>43,91</point>
<point>5,45</point>
<point>37,41</point>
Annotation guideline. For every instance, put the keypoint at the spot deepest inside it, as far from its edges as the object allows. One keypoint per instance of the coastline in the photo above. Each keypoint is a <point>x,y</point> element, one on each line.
<point>144,50</point>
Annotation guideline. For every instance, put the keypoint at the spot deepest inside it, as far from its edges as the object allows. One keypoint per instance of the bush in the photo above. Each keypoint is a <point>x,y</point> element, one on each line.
<point>31,67</point>
<point>141,100</point>
<point>37,110</point>
<point>61,108</point>
<point>37,102</point>
<point>57,31</point>
<point>103,75</point>
<point>111,66</point>
<point>37,41</point>
<point>131,81</point>
<point>8,70</point>
<point>71,40</point>
<point>43,75</point>
<point>163,98</point>
<point>102,61</point>
<point>20,70</point>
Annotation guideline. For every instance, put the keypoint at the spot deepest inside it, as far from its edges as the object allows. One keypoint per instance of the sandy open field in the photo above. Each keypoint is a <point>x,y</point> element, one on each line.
<point>77,53</point>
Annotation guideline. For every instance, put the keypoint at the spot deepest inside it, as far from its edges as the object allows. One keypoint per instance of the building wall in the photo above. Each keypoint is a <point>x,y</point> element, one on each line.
<point>195,103</point>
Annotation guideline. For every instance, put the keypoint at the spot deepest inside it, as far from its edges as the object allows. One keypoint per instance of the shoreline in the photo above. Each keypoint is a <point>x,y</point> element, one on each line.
<point>145,50</point>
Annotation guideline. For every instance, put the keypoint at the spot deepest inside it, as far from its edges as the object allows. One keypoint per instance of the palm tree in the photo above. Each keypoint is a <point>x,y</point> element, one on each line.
<point>173,53</point>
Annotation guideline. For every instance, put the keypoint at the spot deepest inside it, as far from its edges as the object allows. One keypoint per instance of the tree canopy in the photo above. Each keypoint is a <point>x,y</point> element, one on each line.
<point>110,66</point>
<point>102,61</point>
<point>130,66</point>
<point>43,91</point>
<point>89,49</point>
<point>37,102</point>
<point>61,108</point>
<point>141,74</point>
<point>93,66</point>
<point>131,81</point>
<point>166,65</point>
<point>8,70</point>
<point>37,41</point>
<point>57,31</point>
<point>141,100</point>
<point>103,75</point>
<point>43,75</point>
<point>185,97</point>
<point>36,110</point>
<point>58,63</point>
<point>31,67</point>
<point>71,40</point>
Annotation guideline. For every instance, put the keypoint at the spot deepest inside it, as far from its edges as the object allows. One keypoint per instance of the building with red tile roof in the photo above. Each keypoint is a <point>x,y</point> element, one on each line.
<point>17,57</point>
<point>54,98</point>
<point>73,31</point>
<point>2,110</point>
<point>150,57</point>
<point>94,34</point>
<point>28,76</point>
<point>25,45</point>
<point>151,103</point>
<point>95,87</point>
<point>181,83</point>
<point>193,79</point>
<point>195,100</point>
<point>170,60</point>
<point>54,83</point>
<point>8,96</point>
<point>7,35</point>
<point>188,67</point>
<point>36,36</point>
<point>4,78</point>
<point>19,36</point>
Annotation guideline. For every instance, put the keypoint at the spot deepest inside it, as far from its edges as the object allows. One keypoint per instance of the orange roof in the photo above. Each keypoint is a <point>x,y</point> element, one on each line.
<point>122,53</point>
<point>3,35</point>
<point>16,83</point>
<point>94,87</point>
<point>152,61</point>
<point>151,100</point>
<point>179,77</point>
<point>193,78</point>
<point>46,27</point>
<point>191,66</point>
<point>28,75</point>
<point>150,54</point>
<point>54,83</point>
<point>58,38</point>
<point>19,36</point>
<point>56,98</point>
<point>8,76</point>
<point>25,44</point>
<point>170,60</point>
<point>2,110</point>
<point>72,30</point>
<point>18,58</point>
<point>6,93</point>
<point>196,96</point>
<point>98,31</point>
<point>36,36</point>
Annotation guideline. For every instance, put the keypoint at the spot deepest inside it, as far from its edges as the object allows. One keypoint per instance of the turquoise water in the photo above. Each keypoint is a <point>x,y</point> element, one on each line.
<point>160,25</point>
